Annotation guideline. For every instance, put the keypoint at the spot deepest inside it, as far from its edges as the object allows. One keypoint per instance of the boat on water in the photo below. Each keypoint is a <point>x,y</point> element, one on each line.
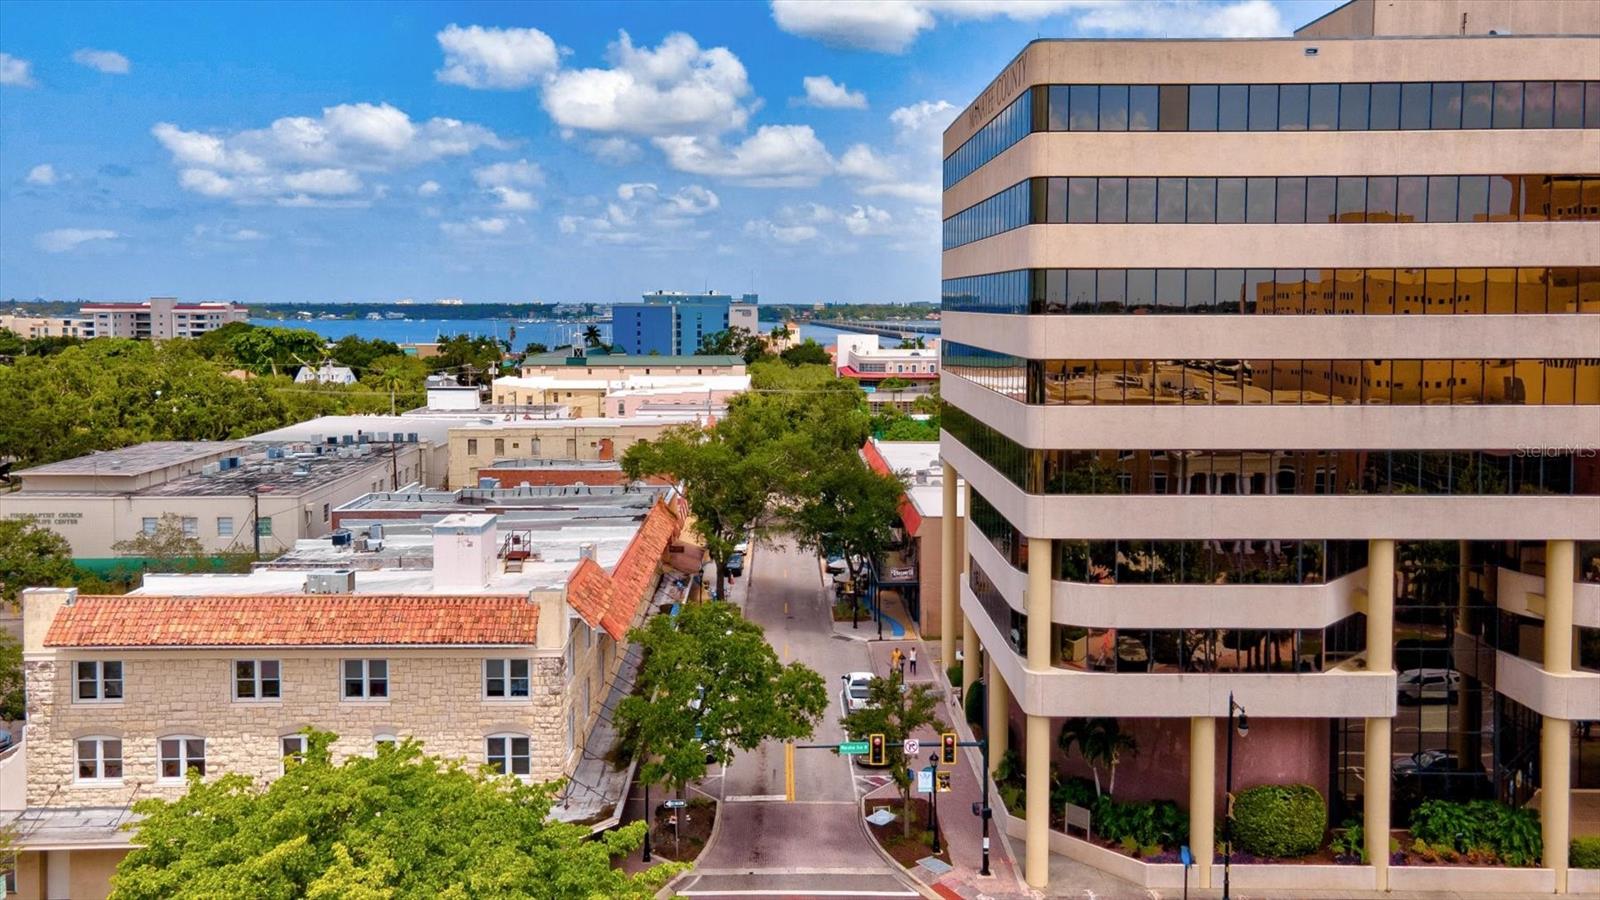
<point>374,317</point>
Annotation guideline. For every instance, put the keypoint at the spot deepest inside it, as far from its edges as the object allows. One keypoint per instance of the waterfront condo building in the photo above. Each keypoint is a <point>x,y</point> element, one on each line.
<point>673,323</point>
<point>1273,369</point>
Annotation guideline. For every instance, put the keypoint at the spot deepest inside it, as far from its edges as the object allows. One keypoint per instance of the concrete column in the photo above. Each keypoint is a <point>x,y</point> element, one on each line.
<point>1555,743</point>
<point>1038,604</point>
<point>999,714</point>
<point>1202,794</point>
<point>949,569</point>
<point>1377,756</point>
<point>1380,605</point>
<point>1037,864</point>
<point>969,650</point>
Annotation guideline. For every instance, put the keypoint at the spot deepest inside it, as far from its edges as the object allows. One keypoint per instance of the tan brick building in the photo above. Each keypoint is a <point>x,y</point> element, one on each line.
<point>487,661</point>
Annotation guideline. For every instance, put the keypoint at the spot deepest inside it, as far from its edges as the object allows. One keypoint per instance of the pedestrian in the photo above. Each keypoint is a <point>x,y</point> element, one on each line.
<point>913,660</point>
<point>894,659</point>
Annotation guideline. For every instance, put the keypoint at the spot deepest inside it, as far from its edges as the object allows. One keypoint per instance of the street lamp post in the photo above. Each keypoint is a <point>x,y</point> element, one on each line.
<point>648,824</point>
<point>1227,819</point>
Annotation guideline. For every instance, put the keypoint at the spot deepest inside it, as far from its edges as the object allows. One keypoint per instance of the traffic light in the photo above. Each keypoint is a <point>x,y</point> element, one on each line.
<point>947,748</point>
<point>877,750</point>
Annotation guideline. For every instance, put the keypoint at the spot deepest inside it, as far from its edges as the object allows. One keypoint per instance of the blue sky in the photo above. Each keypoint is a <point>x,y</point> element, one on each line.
<point>506,151</point>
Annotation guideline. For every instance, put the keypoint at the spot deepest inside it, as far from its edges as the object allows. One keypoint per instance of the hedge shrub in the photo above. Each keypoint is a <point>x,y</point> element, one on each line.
<point>1585,853</point>
<point>974,704</point>
<point>1279,820</point>
<point>1511,833</point>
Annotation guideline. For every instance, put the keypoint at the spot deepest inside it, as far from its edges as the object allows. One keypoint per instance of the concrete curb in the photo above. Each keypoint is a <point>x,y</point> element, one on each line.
<point>670,889</point>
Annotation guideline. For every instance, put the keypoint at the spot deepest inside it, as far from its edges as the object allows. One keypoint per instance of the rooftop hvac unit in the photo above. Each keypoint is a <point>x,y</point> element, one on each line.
<point>359,545</point>
<point>922,476</point>
<point>382,437</point>
<point>341,537</point>
<point>347,439</point>
<point>210,469</point>
<point>587,551</point>
<point>488,484</point>
<point>302,471</point>
<point>274,453</point>
<point>375,531</point>
<point>411,437</point>
<point>338,581</point>
<point>363,438</point>
<point>316,439</point>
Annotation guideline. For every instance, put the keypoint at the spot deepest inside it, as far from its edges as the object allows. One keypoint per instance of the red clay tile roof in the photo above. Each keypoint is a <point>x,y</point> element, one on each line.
<point>610,601</point>
<point>293,620</point>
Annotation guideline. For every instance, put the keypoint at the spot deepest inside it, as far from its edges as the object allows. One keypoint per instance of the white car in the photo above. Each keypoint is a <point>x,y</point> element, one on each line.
<point>1421,685</point>
<point>853,695</point>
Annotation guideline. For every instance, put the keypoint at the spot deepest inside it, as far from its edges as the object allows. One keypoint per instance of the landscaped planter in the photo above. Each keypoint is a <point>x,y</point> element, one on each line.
<point>1583,881</point>
<point>1287,876</point>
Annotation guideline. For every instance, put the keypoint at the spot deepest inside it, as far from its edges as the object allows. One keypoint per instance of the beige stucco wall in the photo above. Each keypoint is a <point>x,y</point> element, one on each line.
<point>581,402</point>
<point>619,372</point>
<point>533,440</point>
<point>88,873</point>
<point>435,696</point>
<point>92,523</point>
<point>1449,17</point>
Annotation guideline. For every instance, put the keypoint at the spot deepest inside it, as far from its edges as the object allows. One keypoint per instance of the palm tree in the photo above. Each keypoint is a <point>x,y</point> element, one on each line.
<point>591,336</point>
<point>1101,742</point>
<point>388,377</point>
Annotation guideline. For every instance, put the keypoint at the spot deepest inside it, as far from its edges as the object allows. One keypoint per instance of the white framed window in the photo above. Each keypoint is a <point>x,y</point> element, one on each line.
<point>384,742</point>
<point>257,679</point>
<point>292,747</point>
<point>505,679</point>
<point>366,679</point>
<point>180,755</point>
<point>99,759</point>
<point>148,524</point>
<point>509,754</point>
<point>98,680</point>
<point>224,526</point>
<point>191,526</point>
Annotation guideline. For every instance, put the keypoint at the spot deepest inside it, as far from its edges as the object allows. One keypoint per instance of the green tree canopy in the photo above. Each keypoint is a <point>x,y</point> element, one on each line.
<point>475,358</point>
<point>166,549</point>
<point>848,509</point>
<point>31,556</point>
<point>733,342</point>
<point>398,825</point>
<point>893,385</point>
<point>897,711</point>
<point>807,352</point>
<point>359,353</point>
<point>275,350</point>
<point>711,685</point>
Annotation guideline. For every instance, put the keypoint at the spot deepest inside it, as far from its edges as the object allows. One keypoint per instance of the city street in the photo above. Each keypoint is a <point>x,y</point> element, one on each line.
<point>816,846</point>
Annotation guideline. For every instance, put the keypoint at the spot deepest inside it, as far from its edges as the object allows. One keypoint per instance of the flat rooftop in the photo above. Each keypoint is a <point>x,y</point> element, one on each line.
<point>562,358</point>
<point>140,459</point>
<point>277,476</point>
<point>907,458</point>
<point>674,416</point>
<point>597,465</point>
<point>526,503</point>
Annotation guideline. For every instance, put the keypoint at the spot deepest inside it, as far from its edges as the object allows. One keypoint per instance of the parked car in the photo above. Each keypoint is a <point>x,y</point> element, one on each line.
<point>1422,685</point>
<point>1427,761</point>
<point>853,695</point>
<point>736,565</point>
<point>6,739</point>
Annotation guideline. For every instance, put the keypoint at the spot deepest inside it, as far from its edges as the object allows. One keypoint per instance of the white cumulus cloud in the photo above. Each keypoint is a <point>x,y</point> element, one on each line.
<point>497,58</point>
<point>296,160</point>
<point>615,151</point>
<point>489,226</point>
<point>63,239</point>
<point>521,172</point>
<point>42,174</point>
<point>16,71</point>
<point>775,156</point>
<point>676,88</point>
<point>640,214</point>
<point>891,26</point>
<point>108,61</point>
<point>825,93</point>
<point>428,188</point>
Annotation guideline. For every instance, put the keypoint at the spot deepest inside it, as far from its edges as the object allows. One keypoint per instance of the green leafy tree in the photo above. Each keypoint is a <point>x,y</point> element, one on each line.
<point>730,475</point>
<point>31,556</point>
<point>217,344</point>
<point>848,509</point>
<point>11,344</point>
<point>166,549</point>
<point>359,353</point>
<point>398,825</point>
<point>733,342</point>
<point>894,386</point>
<point>535,349</point>
<point>897,711</point>
<point>807,352</point>
<point>709,686</point>
<point>476,358</point>
<point>13,687</point>
<point>1101,742</point>
<point>272,350</point>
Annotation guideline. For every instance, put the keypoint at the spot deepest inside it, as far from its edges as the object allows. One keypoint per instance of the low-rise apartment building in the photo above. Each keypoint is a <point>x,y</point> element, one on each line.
<point>231,496</point>
<point>27,326</point>
<point>620,397</point>
<point>581,362</point>
<point>860,358</point>
<point>497,647</point>
<point>474,446</point>
<point>160,317</point>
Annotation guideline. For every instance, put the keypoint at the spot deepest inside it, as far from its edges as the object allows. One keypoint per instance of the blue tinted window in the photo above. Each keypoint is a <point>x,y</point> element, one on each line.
<point>1233,107</point>
<point>1263,107</point>
<point>1353,100</point>
<point>1202,107</point>
<point>1084,114</point>
<point>1292,101</point>
<point>1114,107</point>
<point>1012,124</point>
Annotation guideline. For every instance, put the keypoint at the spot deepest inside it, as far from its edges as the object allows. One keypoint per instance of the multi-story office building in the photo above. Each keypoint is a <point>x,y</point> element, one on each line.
<point>160,317</point>
<point>1273,368</point>
<point>673,323</point>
